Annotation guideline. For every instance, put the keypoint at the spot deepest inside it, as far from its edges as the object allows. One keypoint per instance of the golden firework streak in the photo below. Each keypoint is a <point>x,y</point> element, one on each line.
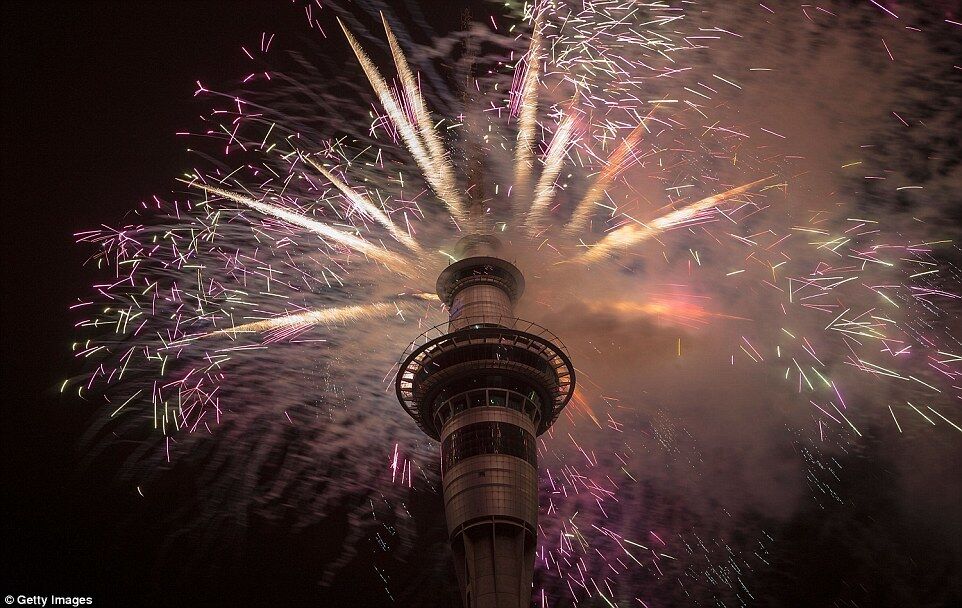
<point>613,167</point>
<point>632,234</point>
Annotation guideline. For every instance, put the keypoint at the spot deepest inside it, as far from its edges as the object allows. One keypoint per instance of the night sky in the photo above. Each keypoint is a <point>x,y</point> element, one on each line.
<point>93,94</point>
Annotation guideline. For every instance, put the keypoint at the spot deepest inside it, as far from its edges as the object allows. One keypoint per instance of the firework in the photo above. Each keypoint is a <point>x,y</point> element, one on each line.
<point>810,322</point>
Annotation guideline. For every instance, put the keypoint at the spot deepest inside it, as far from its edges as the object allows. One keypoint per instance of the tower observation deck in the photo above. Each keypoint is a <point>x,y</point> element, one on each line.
<point>485,384</point>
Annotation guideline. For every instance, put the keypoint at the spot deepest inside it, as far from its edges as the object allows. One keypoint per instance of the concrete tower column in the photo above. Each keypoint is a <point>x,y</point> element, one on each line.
<point>488,458</point>
<point>486,389</point>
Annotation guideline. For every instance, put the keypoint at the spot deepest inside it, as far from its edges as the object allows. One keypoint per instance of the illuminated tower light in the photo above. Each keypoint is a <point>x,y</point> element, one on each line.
<point>485,384</point>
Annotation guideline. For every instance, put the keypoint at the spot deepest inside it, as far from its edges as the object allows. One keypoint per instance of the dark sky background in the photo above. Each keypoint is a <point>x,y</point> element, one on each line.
<point>92,95</point>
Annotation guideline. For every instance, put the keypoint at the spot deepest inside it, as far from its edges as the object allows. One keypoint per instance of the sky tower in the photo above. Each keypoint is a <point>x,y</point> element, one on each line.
<point>485,384</point>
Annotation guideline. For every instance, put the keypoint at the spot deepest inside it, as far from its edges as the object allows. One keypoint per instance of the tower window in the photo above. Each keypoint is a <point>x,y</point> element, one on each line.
<point>487,438</point>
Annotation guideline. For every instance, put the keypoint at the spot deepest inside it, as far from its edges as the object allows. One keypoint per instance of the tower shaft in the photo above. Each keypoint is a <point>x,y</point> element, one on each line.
<point>488,466</point>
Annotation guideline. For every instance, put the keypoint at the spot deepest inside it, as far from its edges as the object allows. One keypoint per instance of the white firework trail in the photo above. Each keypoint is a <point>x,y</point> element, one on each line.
<point>554,160</point>
<point>431,168</point>
<point>425,124</point>
<point>525,106</point>
<point>364,205</point>
<point>390,259</point>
